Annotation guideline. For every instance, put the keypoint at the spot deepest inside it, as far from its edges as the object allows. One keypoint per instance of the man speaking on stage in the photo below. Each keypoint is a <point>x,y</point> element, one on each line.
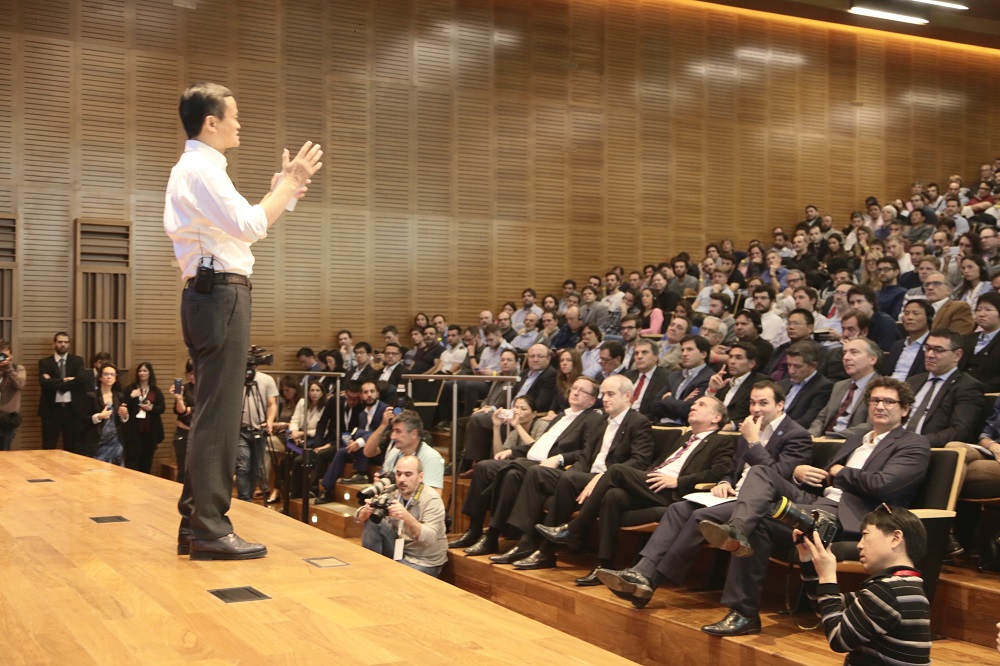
<point>212,228</point>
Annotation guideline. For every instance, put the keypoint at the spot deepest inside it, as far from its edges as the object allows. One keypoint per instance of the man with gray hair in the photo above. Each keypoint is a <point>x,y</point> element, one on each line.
<point>846,413</point>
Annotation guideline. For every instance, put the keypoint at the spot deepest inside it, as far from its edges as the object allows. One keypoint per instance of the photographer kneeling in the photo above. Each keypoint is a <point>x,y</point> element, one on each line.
<point>890,615</point>
<point>415,532</point>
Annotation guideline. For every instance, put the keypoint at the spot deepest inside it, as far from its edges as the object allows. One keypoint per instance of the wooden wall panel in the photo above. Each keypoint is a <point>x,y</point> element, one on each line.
<point>473,147</point>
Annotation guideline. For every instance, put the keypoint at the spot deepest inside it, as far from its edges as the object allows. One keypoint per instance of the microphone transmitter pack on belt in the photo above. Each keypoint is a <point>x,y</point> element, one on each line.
<point>205,277</point>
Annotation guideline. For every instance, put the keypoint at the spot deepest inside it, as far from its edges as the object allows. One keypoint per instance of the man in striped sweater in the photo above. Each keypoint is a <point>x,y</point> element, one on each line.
<point>888,619</point>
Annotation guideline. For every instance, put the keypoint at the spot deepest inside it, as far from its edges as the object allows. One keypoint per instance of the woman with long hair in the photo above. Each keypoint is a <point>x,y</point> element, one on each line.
<point>569,366</point>
<point>869,269</point>
<point>288,400</point>
<point>334,362</point>
<point>421,320</point>
<point>652,316</point>
<point>108,416</point>
<point>302,427</point>
<point>145,407</point>
<point>975,280</point>
<point>754,264</point>
<point>837,258</point>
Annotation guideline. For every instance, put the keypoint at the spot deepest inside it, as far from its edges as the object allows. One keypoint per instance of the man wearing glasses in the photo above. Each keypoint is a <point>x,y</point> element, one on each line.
<point>988,239</point>
<point>885,464</point>
<point>956,315</point>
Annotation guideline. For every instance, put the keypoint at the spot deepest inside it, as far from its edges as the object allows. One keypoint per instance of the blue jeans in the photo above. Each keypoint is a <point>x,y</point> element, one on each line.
<point>249,458</point>
<point>381,538</point>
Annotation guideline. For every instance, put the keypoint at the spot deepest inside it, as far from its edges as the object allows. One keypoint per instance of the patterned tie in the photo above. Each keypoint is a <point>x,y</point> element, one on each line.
<point>638,387</point>
<point>679,452</point>
<point>913,425</point>
<point>844,406</point>
<point>62,368</point>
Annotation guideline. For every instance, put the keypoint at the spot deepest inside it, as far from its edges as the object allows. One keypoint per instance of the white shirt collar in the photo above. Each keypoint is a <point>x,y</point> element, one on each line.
<point>217,158</point>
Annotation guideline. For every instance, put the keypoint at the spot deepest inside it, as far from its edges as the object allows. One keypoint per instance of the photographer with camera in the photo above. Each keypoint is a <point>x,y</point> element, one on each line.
<point>260,408</point>
<point>884,465</point>
<point>12,378</point>
<point>415,531</point>
<point>889,615</point>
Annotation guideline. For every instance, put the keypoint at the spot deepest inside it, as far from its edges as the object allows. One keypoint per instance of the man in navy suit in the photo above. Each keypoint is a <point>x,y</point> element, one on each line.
<point>981,352</point>
<point>732,384</point>
<point>684,386</point>
<point>887,464</point>
<point>703,457</point>
<point>906,357</point>
<point>806,391</point>
<point>768,438</point>
<point>649,378</point>
<point>363,423</point>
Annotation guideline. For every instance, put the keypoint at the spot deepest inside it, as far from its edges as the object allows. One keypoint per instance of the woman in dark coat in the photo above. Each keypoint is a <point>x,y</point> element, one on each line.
<point>145,407</point>
<point>108,416</point>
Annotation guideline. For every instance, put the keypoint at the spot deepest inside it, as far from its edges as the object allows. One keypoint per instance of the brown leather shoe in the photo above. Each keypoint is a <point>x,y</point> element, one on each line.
<point>229,547</point>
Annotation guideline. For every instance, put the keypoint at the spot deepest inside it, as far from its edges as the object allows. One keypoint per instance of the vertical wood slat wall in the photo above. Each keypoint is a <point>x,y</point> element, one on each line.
<point>473,147</point>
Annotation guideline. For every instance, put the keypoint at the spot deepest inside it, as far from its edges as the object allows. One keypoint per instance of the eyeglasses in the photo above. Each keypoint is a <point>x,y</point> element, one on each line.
<point>577,389</point>
<point>936,350</point>
<point>935,283</point>
<point>888,402</point>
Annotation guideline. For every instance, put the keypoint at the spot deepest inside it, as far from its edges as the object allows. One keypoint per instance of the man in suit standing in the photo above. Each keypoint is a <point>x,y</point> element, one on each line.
<point>732,383</point>
<point>391,375</point>
<point>63,378</point>
<point>684,386</point>
<point>806,391</point>
<point>956,315</point>
<point>623,438</point>
<point>767,438</point>
<point>886,465</point>
<point>649,378</point>
<point>702,457</point>
<point>981,351</point>
<point>846,412</point>
<point>949,402</point>
<point>505,471</point>
<point>906,356</point>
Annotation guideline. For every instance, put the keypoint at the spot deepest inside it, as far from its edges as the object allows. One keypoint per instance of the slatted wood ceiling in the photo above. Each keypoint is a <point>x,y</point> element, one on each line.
<point>473,146</point>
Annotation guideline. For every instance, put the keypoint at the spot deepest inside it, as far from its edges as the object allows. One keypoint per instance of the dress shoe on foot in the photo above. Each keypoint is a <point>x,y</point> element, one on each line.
<point>590,580</point>
<point>356,479</point>
<point>560,534</point>
<point>323,499</point>
<point>537,560</point>
<point>486,545</point>
<point>511,556</point>
<point>725,537</point>
<point>734,624</point>
<point>229,547</point>
<point>466,540</point>
<point>627,584</point>
<point>272,500</point>
<point>183,544</point>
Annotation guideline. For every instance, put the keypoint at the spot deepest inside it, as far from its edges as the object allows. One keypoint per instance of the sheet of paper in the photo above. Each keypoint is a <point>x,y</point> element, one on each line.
<point>707,498</point>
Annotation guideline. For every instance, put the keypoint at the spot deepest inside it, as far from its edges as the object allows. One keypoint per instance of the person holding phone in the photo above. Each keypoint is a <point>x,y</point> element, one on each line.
<point>184,409</point>
<point>109,413</point>
<point>523,427</point>
<point>145,407</point>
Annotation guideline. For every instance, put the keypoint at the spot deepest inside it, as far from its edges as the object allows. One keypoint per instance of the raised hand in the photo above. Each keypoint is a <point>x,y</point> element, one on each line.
<point>307,162</point>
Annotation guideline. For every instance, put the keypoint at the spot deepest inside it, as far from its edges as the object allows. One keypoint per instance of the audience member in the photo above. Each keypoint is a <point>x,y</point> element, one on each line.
<point>806,390</point>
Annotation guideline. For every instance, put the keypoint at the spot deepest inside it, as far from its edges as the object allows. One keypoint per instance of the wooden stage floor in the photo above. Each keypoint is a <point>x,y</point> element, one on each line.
<point>76,591</point>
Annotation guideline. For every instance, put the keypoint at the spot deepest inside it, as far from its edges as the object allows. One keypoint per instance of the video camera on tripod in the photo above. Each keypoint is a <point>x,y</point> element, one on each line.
<point>256,355</point>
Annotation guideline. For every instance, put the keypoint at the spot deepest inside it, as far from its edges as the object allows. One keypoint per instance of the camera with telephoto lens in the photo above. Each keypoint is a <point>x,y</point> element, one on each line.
<point>380,506</point>
<point>380,487</point>
<point>807,522</point>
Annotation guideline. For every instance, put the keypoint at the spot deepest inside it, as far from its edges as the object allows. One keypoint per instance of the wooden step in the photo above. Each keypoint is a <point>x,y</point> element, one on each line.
<point>334,518</point>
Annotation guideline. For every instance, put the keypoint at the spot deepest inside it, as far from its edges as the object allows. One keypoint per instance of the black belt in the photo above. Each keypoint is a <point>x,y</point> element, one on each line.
<point>224,278</point>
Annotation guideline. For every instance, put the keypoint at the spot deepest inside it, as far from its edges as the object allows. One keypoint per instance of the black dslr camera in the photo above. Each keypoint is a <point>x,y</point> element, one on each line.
<point>821,522</point>
<point>256,356</point>
<point>380,487</point>
<point>380,506</point>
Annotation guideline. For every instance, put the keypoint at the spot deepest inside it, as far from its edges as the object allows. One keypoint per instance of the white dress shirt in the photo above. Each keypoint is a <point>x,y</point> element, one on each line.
<point>600,462</point>
<point>856,460</point>
<point>205,216</point>
<point>540,450</point>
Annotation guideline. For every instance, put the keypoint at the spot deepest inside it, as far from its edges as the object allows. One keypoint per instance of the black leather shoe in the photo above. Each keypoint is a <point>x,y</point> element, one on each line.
<point>537,560</point>
<point>357,479</point>
<point>466,540</point>
<point>627,584</point>
<point>590,580</point>
<point>560,534</point>
<point>725,537</point>
<point>734,624</point>
<point>323,499</point>
<point>486,545</point>
<point>183,544</point>
<point>229,547</point>
<point>511,556</point>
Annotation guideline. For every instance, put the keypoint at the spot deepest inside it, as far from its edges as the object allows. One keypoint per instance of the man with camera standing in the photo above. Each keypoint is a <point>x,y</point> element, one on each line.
<point>260,408</point>
<point>212,228</point>
<point>414,533</point>
<point>884,465</point>
<point>12,378</point>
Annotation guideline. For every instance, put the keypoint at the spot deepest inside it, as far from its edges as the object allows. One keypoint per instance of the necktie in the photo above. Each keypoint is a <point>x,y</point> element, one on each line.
<point>844,406</point>
<point>638,387</point>
<point>62,368</point>
<point>679,452</point>
<point>913,425</point>
<point>982,342</point>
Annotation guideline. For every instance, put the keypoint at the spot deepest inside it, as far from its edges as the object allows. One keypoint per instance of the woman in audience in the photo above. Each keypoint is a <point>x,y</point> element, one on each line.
<point>975,280</point>
<point>334,362</point>
<point>288,400</point>
<point>550,303</point>
<point>421,320</point>
<point>683,309</point>
<point>754,264</point>
<point>569,366</point>
<point>651,316</point>
<point>510,307</point>
<point>969,244</point>
<point>302,427</point>
<point>774,275</point>
<point>868,273</point>
<point>145,407</point>
<point>526,428</point>
<point>862,244</point>
<point>837,257</point>
<point>108,416</point>
<point>184,409</point>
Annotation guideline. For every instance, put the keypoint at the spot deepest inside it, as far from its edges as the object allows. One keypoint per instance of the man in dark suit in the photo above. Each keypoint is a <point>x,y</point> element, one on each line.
<point>650,379</point>
<point>684,386</point>
<point>806,391</point>
<point>948,402</point>
<point>623,437</point>
<point>732,384</point>
<point>391,375</point>
<point>366,421</point>
<point>768,438</point>
<point>62,404</point>
<point>506,470</point>
<point>363,370</point>
<point>981,351</point>
<point>883,329</point>
<point>906,356</point>
<point>539,381</point>
<point>611,359</point>
<point>846,412</point>
<point>886,465</point>
<point>799,328</point>
<point>702,457</point>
